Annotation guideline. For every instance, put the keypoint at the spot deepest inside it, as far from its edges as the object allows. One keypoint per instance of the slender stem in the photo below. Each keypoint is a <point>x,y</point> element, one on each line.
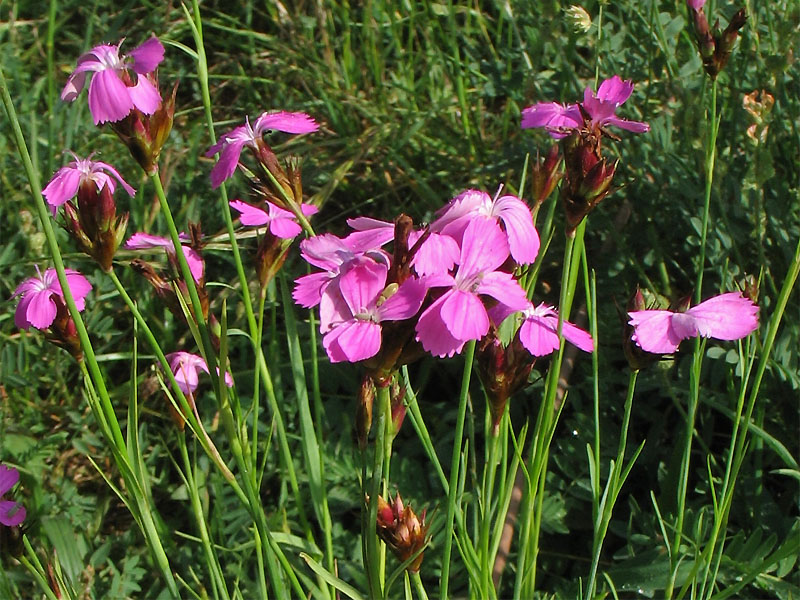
<point>374,555</point>
<point>711,153</point>
<point>417,581</point>
<point>455,463</point>
<point>487,494</point>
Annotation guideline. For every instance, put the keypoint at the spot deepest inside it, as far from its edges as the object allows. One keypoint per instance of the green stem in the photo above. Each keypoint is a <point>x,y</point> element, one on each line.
<point>417,581</point>
<point>455,463</point>
<point>711,153</point>
<point>374,559</point>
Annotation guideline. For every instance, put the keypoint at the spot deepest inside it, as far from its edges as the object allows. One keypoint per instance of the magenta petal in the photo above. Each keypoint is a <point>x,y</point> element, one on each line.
<point>361,285</point>
<point>353,341</point>
<point>147,56</point>
<point>504,288</point>
<point>288,122</point>
<point>308,288</point>
<point>634,126</point>
<point>195,262</point>
<point>74,86</point>
<point>538,336</point>
<point>437,254</point>
<point>117,176</point>
<point>9,477</point>
<point>615,90</point>
<point>728,316</point>
<point>226,164</point>
<point>21,314</point>
<point>465,315</point>
<point>63,186</point>
<point>250,215</point>
<point>434,335</point>
<point>551,114</point>
<point>284,228</point>
<point>577,336</point>
<point>41,311</point>
<point>11,513</point>
<point>109,99</point>
<point>142,240</point>
<point>145,96</point>
<point>652,331</point>
<point>78,284</point>
<point>484,247</point>
<point>325,251</point>
<point>523,239</point>
<point>405,302</point>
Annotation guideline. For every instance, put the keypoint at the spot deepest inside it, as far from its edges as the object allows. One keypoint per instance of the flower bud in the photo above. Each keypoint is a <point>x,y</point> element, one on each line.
<point>366,397</point>
<point>546,175</point>
<point>403,532</point>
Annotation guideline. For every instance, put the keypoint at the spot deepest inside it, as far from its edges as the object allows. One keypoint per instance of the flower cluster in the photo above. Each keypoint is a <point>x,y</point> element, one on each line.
<point>715,47</point>
<point>401,529</point>
<point>442,286</point>
<point>581,127</point>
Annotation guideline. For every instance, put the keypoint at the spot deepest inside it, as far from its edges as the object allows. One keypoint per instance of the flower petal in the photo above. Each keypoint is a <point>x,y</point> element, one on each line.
<point>250,215</point>
<point>288,122</point>
<point>538,336</point>
<point>41,309</point>
<point>728,316</point>
<point>434,334</point>
<point>63,186</point>
<point>109,99</point>
<point>147,56</point>
<point>523,239</point>
<point>484,247</point>
<point>308,288</point>
<point>11,513</point>
<point>465,315</point>
<point>145,96</point>
<point>653,331</point>
<point>405,302</point>
<point>362,284</point>
<point>9,477</point>
<point>353,341</point>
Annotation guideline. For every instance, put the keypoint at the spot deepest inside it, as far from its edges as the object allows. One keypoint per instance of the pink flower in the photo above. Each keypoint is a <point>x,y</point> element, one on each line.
<point>112,93</point>
<point>40,295</point>
<point>231,144</point>
<point>65,183</point>
<point>282,223</point>
<point>11,513</point>
<point>728,316</point>
<point>539,331</point>
<point>332,255</point>
<point>513,213</point>
<point>141,241</point>
<point>360,308</point>
<point>696,4</point>
<point>459,315</point>
<point>599,108</point>
<point>185,367</point>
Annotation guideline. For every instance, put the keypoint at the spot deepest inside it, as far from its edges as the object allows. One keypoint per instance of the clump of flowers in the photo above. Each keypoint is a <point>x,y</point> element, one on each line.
<point>93,221</point>
<point>581,127</point>
<point>42,306</point>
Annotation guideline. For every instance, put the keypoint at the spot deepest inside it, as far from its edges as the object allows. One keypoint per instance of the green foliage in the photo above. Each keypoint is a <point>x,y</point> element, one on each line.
<point>418,101</point>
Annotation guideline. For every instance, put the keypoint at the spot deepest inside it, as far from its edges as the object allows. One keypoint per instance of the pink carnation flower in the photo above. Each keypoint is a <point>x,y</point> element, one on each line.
<point>38,306</point>
<point>142,241</point>
<point>185,367</point>
<point>231,144</point>
<point>282,223</point>
<point>728,316</point>
<point>11,513</point>
<point>539,331</point>
<point>65,183</point>
<point>459,315</point>
<point>513,213</point>
<point>601,107</point>
<point>360,308</point>
<point>112,93</point>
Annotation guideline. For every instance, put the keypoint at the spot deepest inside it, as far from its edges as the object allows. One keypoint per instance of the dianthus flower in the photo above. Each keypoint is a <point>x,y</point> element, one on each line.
<point>112,92</point>
<point>11,513</point>
<point>67,181</point>
<point>231,144</point>
<point>42,297</point>
<point>282,223</point>
<point>539,331</point>
<point>728,316</point>
<point>185,367</point>
<point>141,241</point>
<point>596,111</point>
<point>459,315</point>
<point>362,304</point>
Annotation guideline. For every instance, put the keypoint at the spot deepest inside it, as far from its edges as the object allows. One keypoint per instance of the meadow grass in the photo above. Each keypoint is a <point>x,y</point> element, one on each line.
<point>678,481</point>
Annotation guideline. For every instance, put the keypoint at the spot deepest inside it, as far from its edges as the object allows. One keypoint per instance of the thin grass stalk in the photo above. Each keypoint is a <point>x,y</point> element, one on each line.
<point>613,487</point>
<point>202,69</point>
<point>766,351</point>
<point>51,83</point>
<point>212,558</point>
<point>699,346</point>
<point>117,440</point>
<point>487,495</point>
<point>547,419</point>
<point>374,559</point>
<point>453,497</point>
<point>34,566</point>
